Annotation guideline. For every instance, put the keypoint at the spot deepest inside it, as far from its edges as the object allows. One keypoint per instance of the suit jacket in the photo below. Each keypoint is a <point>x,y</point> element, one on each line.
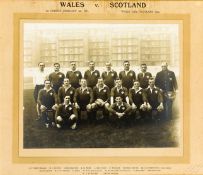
<point>166,80</point>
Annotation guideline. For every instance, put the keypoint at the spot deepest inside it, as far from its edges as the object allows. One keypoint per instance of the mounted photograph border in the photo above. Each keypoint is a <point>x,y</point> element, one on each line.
<point>18,94</point>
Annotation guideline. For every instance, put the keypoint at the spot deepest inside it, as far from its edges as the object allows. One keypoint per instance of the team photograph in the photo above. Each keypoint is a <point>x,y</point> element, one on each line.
<point>101,85</point>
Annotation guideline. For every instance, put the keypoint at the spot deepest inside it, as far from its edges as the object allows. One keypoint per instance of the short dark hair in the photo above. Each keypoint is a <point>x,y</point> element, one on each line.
<point>126,61</point>
<point>91,62</point>
<point>119,96</point>
<point>143,64</point>
<point>57,64</point>
<point>40,63</point>
<point>117,79</point>
<point>151,78</point>
<point>47,80</point>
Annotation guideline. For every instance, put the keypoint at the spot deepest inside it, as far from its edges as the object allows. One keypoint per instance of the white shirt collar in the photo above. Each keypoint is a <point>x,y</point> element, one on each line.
<point>99,87</point>
<point>120,104</point>
<point>66,88</point>
<point>119,88</point>
<point>151,88</point>
<point>48,89</point>
<point>109,70</point>
<point>137,90</point>
<point>67,104</point>
<point>83,89</point>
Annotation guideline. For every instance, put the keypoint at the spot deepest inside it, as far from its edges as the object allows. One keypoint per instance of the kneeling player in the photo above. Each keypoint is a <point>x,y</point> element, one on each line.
<point>66,115</point>
<point>101,94</point>
<point>119,112</point>
<point>47,99</point>
<point>138,100</point>
<point>83,99</point>
<point>155,100</point>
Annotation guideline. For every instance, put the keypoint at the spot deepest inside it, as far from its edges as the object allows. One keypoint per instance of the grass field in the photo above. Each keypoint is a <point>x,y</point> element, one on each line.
<point>140,135</point>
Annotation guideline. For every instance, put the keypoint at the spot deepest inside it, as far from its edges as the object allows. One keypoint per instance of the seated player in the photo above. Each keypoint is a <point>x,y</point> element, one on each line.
<point>66,115</point>
<point>119,112</point>
<point>65,90</point>
<point>101,95</point>
<point>83,99</point>
<point>109,76</point>
<point>155,100</point>
<point>56,78</point>
<point>119,90</point>
<point>127,76</point>
<point>74,75</point>
<point>47,99</point>
<point>138,100</point>
<point>91,75</point>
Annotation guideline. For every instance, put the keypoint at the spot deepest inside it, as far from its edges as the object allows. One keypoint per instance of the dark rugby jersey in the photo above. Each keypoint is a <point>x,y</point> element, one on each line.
<point>74,78</point>
<point>47,98</point>
<point>155,97</point>
<point>91,77</point>
<point>56,80</point>
<point>83,98</point>
<point>69,92</point>
<point>127,80</point>
<point>65,111</point>
<point>143,78</point>
<point>103,93</point>
<point>122,92</point>
<point>109,78</point>
<point>137,97</point>
<point>123,108</point>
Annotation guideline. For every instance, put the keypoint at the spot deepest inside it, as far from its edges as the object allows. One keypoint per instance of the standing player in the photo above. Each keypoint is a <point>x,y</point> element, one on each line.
<point>74,75</point>
<point>56,78</point>
<point>101,94</point>
<point>143,76</point>
<point>155,100</point>
<point>138,100</point>
<point>109,76</point>
<point>47,99</point>
<point>38,80</point>
<point>127,76</point>
<point>65,90</point>
<point>166,81</point>
<point>119,90</point>
<point>83,99</point>
<point>91,75</point>
<point>66,114</point>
